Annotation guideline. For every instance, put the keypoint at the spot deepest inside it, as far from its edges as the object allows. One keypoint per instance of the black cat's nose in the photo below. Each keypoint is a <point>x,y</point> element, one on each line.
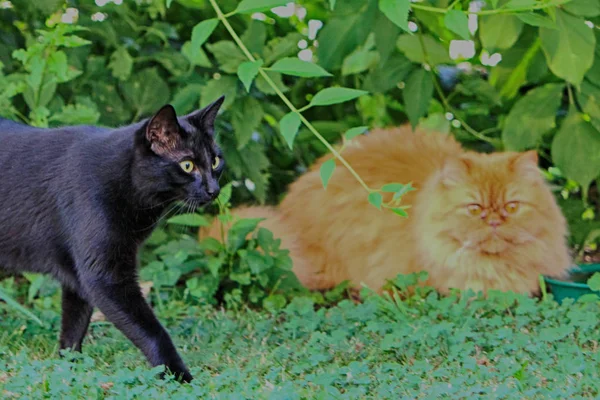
<point>214,193</point>
<point>213,189</point>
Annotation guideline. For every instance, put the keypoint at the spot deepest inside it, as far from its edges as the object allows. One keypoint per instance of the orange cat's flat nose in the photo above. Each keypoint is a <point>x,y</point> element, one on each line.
<point>494,222</point>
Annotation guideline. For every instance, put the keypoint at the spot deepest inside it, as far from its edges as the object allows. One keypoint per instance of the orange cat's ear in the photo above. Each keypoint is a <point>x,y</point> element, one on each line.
<point>455,170</point>
<point>527,164</point>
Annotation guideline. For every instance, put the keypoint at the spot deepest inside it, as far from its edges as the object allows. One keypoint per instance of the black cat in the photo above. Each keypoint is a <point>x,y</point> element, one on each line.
<point>77,202</point>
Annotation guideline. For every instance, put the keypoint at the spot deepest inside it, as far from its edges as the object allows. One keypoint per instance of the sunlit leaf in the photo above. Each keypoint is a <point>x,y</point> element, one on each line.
<point>247,71</point>
<point>418,92</point>
<point>252,6</point>
<point>531,117</point>
<point>569,49</point>
<point>376,199</point>
<point>396,11</point>
<point>335,95</point>
<point>297,67</point>
<point>458,23</point>
<point>326,171</point>
<point>289,125</point>
<point>576,149</point>
<point>202,31</point>
<point>354,132</point>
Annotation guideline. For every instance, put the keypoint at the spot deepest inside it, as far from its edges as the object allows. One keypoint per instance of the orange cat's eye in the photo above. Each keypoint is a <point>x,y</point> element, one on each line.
<point>512,207</point>
<point>474,209</point>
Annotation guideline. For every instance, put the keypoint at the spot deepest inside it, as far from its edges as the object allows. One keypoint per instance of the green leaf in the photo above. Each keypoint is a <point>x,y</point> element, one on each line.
<point>326,171</point>
<point>332,4</point>
<point>499,31</point>
<point>225,194</point>
<point>534,19</point>
<point>296,67</point>
<point>76,114</point>
<point>348,28</point>
<point>594,282</point>
<point>195,56</point>
<point>58,67</point>
<point>252,6</point>
<point>569,49</point>
<point>243,278</point>
<point>388,74</point>
<point>254,37</point>
<point>214,264</point>
<point>354,132</point>
<point>392,187</point>
<point>376,199</point>
<point>410,45</point>
<point>335,95</point>
<point>18,307</point>
<point>458,23</point>
<point>289,125</point>
<point>359,60</point>
<point>589,99</point>
<point>418,92</point>
<point>186,99</point>
<point>583,8</point>
<point>236,236</point>
<point>247,114</point>
<point>121,64</point>
<point>189,220</point>
<point>265,87</point>
<point>576,149</point>
<point>275,302</point>
<point>396,11</point>
<point>256,262</point>
<point>202,32</point>
<point>247,71</point>
<point>405,189</point>
<point>435,123</point>
<point>593,74</point>
<point>228,55</point>
<point>400,211</point>
<point>214,89</point>
<point>386,33</point>
<point>518,4</point>
<point>280,47</point>
<point>146,91</point>
<point>532,116</point>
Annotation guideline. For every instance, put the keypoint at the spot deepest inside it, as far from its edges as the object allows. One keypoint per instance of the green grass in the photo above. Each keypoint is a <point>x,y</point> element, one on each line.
<point>426,347</point>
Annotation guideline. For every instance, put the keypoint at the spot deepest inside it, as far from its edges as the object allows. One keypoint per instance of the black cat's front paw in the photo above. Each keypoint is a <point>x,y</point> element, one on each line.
<point>180,372</point>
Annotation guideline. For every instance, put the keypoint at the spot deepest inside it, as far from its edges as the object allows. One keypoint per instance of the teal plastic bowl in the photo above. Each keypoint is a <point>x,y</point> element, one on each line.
<point>563,289</point>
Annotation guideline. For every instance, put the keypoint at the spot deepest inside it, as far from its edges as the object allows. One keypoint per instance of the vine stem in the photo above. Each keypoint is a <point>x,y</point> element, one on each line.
<point>440,93</point>
<point>484,12</point>
<point>223,18</point>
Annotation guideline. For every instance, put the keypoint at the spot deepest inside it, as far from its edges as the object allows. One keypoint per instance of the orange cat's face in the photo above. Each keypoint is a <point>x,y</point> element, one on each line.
<point>491,203</point>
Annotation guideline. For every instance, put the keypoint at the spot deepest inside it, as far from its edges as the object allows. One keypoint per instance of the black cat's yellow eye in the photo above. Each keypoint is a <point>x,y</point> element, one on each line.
<point>512,207</point>
<point>216,163</point>
<point>474,209</point>
<point>187,166</point>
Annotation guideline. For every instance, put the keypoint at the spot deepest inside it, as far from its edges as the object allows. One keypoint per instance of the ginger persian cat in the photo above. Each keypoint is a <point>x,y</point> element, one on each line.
<point>478,221</point>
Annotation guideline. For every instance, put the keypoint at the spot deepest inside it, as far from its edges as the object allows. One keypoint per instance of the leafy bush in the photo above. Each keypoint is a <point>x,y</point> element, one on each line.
<point>433,64</point>
<point>246,266</point>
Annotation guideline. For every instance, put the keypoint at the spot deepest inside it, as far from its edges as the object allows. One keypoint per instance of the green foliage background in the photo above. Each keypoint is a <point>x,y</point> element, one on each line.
<point>111,63</point>
<point>374,64</point>
<point>544,93</point>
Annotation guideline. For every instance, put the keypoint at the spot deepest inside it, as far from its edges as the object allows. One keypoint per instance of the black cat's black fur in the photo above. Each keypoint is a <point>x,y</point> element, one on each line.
<point>77,202</point>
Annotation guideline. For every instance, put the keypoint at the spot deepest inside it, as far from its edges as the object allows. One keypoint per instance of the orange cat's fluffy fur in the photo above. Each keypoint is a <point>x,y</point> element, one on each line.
<point>478,221</point>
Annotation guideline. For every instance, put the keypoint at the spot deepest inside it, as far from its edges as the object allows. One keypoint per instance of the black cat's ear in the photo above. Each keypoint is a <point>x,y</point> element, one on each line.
<point>162,132</point>
<point>204,119</point>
